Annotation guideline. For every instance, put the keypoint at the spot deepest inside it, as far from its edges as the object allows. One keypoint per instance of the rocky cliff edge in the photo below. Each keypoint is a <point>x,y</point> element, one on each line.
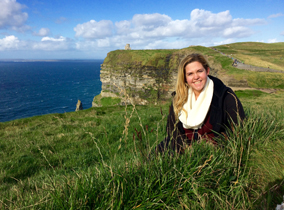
<point>144,76</point>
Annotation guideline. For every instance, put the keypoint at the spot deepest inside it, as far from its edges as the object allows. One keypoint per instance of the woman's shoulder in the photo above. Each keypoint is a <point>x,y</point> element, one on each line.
<point>230,96</point>
<point>220,88</point>
<point>217,82</point>
<point>233,105</point>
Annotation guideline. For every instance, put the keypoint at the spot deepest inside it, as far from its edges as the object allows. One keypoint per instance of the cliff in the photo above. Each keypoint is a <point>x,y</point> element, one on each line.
<point>145,76</point>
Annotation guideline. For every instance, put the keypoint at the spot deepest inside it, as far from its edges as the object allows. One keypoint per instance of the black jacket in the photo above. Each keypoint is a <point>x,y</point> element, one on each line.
<point>224,109</point>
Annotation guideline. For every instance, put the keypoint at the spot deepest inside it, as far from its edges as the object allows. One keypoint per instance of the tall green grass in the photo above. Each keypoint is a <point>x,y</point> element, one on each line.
<point>102,158</point>
<point>205,177</point>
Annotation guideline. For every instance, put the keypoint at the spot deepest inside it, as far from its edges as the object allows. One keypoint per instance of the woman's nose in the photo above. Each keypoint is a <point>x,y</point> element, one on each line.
<point>195,76</point>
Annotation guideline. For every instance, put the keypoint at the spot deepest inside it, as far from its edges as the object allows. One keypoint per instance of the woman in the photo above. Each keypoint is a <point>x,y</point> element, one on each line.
<point>202,108</point>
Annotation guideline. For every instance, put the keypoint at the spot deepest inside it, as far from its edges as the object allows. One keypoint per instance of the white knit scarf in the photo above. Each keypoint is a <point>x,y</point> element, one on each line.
<point>197,109</point>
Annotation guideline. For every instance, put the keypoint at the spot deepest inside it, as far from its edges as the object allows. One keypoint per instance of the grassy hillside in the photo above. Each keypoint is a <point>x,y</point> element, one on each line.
<point>254,79</point>
<point>256,53</point>
<point>253,53</point>
<point>100,158</point>
<point>139,57</point>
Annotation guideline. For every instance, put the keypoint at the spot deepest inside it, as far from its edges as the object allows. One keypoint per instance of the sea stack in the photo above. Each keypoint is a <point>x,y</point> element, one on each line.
<point>79,106</point>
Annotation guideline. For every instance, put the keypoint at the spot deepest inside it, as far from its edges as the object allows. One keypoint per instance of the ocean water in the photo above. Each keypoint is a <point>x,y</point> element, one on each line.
<point>37,88</point>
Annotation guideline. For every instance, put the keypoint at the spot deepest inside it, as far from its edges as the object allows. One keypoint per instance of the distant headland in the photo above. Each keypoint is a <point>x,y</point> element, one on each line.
<point>149,76</point>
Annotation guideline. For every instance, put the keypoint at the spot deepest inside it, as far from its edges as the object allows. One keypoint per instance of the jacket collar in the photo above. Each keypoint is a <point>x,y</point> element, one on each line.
<point>219,87</point>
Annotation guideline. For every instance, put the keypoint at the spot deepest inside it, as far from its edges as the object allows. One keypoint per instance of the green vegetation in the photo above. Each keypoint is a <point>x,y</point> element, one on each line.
<point>249,93</point>
<point>106,101</point>
<point>254,79</point>
<point>100,158</point>
<point>256,53</point>
<point>139,57</point>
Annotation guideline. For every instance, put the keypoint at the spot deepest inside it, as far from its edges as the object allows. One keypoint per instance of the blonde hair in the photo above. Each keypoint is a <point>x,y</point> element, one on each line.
<point>182,86</point>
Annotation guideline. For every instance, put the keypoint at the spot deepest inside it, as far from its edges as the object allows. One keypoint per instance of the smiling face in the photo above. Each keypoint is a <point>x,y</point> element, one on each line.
<point>196,76</point>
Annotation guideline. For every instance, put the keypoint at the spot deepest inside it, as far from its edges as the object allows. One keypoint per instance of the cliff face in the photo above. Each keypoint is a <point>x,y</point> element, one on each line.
<point>143,76</point>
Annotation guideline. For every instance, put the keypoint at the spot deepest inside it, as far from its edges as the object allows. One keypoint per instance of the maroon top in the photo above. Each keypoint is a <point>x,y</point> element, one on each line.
<point>205,132</point>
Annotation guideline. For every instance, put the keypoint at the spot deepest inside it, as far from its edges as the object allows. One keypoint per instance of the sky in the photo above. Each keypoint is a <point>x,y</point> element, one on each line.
<point>89,29</point>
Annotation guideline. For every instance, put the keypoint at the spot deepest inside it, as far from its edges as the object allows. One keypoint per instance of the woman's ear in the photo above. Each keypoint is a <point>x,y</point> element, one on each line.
<point>208,70</point>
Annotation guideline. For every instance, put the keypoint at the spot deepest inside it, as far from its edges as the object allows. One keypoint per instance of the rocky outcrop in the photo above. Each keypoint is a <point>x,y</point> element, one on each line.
<point>140,84</point>
<point>94,104</point>
<point>144,76</point>
<point>79,106</point>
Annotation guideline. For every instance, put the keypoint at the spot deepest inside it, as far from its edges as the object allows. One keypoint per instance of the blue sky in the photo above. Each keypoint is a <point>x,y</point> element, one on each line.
<point>89,29</point>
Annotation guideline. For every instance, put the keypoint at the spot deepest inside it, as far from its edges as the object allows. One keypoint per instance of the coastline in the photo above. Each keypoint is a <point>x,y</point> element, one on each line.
<point>38,88</point>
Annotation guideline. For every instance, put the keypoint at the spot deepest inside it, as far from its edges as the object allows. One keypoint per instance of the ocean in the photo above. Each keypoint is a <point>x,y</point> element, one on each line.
<point>36,88</point>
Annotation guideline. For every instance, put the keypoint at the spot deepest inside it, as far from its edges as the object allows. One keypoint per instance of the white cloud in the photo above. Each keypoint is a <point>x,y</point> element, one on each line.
<point>86,45</point>
<point>260,41</point>
<point>42,32</point>
<point>276,15</point>
<point>53,44</point>
<point>123,27</point>
<point>150,21</point>
<point>161,31</point>
<point>248,22</point>
<point>143,31</point>
<point>226,41</point>
<point>94,30</point>
<point>204,18</point>
<point>237,32</point>
<point>104,42</point>
<point>272,40</point>
<point>163,44</point>
<point>9,43</point>
<point>282,33</point>
<point>202,23</point>
<point>11,15</point>
<point>60,39</point>
<point>46,44</point>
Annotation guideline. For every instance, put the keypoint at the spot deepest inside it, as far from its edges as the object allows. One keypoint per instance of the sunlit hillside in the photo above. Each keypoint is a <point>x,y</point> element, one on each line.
<point>257,53</point>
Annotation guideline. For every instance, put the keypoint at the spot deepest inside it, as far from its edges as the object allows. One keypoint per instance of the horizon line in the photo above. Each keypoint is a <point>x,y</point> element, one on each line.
<point>50,60</point>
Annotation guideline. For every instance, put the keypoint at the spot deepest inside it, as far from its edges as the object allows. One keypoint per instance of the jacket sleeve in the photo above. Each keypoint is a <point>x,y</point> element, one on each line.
<point>233,108</point>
